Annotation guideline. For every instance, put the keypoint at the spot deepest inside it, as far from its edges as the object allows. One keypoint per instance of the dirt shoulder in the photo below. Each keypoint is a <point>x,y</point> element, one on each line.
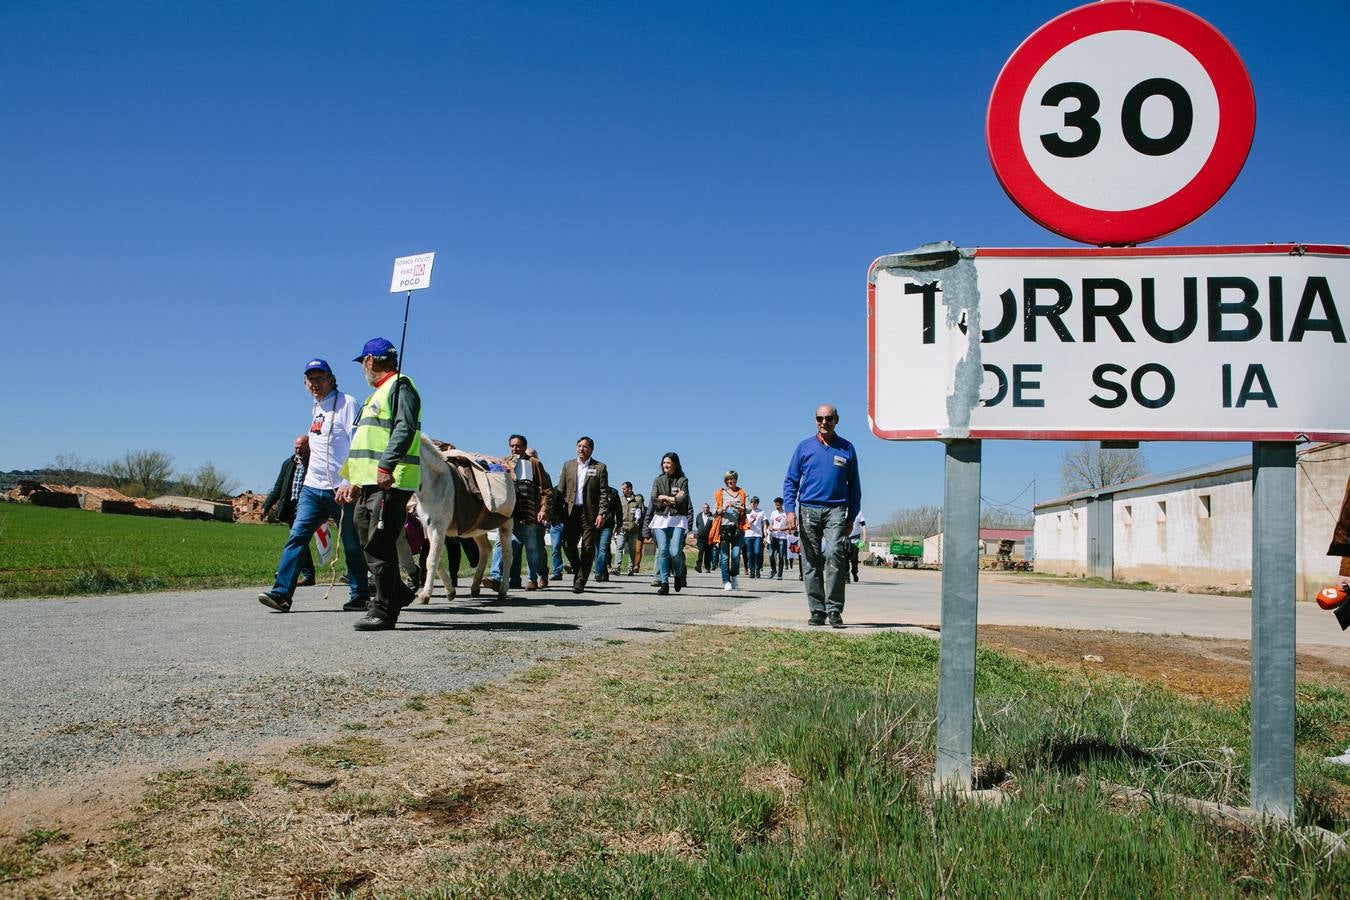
<point>1211,668</point>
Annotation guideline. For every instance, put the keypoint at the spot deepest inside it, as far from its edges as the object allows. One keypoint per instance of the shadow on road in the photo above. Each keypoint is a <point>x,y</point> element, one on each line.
<point>889,625</point>
<point>487,626</point>
<point>548,601</point>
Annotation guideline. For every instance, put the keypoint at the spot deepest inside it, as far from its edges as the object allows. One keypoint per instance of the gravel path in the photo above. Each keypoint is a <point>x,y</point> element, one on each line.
<point>165,680</point>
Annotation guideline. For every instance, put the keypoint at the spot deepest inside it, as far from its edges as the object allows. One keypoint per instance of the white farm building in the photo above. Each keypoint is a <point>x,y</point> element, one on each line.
<point>1191,528</point>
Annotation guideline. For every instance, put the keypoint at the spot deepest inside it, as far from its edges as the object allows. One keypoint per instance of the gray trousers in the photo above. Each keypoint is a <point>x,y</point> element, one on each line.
<point>824,571</point>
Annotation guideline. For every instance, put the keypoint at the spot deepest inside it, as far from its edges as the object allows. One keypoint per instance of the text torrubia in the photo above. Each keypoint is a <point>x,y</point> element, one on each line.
<point>1234,309</point>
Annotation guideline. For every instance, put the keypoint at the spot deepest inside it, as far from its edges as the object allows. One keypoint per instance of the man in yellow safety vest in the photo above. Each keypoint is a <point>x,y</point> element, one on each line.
<point>383,470</point>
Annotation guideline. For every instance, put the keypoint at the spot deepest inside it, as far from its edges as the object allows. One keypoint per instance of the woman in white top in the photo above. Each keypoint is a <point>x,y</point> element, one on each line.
<point>668,520</point>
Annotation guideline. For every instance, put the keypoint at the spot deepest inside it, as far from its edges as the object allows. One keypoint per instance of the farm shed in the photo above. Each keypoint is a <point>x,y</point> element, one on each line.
<point>1192,527</point>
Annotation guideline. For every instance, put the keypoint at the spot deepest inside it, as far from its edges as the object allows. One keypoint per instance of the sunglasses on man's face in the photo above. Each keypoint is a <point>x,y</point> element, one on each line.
<point>824,418</point>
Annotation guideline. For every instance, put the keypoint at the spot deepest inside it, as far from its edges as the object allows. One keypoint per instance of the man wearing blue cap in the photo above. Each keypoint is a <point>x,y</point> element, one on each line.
<point>332,424</point>
<point>384,470</point>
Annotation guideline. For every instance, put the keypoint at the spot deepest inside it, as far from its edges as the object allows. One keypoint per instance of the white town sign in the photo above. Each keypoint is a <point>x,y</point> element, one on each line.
<point>1169,343</point>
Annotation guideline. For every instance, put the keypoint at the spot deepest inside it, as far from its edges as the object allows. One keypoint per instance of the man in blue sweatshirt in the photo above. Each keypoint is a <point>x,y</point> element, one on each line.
<point>823,495</point>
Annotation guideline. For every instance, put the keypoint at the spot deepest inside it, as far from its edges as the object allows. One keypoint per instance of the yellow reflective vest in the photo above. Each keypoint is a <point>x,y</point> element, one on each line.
<point>373,428</point>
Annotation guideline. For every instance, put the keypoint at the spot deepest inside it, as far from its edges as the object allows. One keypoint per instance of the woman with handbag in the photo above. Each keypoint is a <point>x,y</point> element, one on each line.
<point>729,524</point>
<point>668,521</point>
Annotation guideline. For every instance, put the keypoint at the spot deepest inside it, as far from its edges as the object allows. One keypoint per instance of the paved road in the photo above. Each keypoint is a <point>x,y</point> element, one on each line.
<point>888,598</point>
<point>167,679</point>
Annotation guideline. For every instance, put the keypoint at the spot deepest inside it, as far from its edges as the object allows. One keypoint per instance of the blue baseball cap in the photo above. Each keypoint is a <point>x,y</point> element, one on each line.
<point>319,364</point>
<point>377,347</point>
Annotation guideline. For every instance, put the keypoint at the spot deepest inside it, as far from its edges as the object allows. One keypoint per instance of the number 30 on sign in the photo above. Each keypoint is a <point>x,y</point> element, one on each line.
<point>1121,121</point>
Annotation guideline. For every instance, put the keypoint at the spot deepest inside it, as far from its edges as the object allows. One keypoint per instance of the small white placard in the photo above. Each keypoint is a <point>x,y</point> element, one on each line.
<point>412,273</point>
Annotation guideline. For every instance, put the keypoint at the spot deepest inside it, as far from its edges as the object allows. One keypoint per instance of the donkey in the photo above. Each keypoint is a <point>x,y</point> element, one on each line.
<point>448,509</point>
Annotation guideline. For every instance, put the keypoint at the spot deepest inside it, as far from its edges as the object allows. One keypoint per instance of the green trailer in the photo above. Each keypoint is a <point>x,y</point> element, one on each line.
<point>907,551</point>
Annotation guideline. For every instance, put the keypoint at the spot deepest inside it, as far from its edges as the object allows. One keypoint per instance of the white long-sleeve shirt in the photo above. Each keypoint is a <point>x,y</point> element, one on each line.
<point>333,424</point>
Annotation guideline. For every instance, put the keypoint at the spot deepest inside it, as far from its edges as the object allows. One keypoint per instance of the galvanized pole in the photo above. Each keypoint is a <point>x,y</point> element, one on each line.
<point>1273,536</point>
<point>960,604</point>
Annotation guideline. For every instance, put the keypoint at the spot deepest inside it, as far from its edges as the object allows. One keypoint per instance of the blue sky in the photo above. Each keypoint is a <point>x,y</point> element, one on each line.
<point>653,222</point>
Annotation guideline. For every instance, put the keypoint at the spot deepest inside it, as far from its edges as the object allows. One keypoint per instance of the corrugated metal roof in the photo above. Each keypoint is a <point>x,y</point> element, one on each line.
<point>1215,468</point>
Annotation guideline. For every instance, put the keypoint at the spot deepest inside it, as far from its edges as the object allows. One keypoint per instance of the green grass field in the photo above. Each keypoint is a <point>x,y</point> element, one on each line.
<point>46,552</point>
<point>53,552</point>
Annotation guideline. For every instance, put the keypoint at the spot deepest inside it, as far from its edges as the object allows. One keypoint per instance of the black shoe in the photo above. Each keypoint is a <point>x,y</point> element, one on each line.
<point>372,622</point>
<point>305,581</point>
<point>664,589</point>
<point>816,619</point>
<point>836,620</point>
<point>679,583</point>
<point>269,599</point>
<point>698,568</point>
<point>356,606</point>
<point>578,584</point>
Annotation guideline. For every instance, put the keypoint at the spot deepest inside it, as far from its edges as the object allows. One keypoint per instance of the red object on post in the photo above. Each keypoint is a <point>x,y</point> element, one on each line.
<point>1331,597</point>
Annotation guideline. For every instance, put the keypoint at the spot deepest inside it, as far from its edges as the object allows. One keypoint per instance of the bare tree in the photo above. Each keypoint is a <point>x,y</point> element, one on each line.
<point>911,521</point>
<point>69,468</point>
<point>1087,466</point>
<point>921,521</point>
<point>994,517</point>
<point>208,483</point>
<point>143,473</point>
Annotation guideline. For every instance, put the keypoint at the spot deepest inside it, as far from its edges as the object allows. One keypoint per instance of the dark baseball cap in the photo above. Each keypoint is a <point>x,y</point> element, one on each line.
<point>377,347</point>
<point>320,364</point>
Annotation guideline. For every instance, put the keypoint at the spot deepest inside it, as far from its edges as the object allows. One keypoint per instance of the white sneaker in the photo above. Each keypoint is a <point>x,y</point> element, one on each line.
<point>734,585</point>
<point>1342,760</point>
<point>727,586</point>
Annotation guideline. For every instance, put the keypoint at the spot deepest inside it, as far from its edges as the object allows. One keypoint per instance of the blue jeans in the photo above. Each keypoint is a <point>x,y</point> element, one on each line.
<point>669,552</point>
<point>754,554</point>
<point>313,509</point>
<point>531,537</point>
<point>602,553</point>
<point>825,571</point>
<point>731,550</point>
<point>555,533</point>
<point>777,556</point>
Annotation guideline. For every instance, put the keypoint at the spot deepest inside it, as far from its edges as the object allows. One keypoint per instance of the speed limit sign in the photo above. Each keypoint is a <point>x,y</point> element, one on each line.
<point>1120,121</point>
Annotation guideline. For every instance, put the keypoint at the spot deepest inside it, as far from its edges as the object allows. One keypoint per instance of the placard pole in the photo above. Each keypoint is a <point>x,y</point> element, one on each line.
<point>1273,622</point>
<point>960,605</point>
<point>402,350</point>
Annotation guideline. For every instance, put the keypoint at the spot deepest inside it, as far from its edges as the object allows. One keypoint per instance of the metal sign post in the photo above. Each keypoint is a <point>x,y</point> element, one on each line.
<point>960,606</point>
<point>1273,627</point>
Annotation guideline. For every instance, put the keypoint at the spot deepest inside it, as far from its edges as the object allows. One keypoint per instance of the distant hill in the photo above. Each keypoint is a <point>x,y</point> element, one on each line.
<point>9,480</point>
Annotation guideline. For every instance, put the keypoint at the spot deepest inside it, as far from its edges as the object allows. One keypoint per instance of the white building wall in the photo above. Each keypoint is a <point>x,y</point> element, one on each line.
<point>1060,536</point>
<point>932,550</point>
<point>1322,475</point>
<point>1196,533</point>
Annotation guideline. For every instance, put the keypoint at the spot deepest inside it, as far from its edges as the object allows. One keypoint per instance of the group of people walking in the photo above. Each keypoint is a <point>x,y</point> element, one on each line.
<point>358,464</point>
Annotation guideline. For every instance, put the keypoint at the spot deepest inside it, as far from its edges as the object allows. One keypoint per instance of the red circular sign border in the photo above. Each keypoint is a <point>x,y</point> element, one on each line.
<point>1237,123</point>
